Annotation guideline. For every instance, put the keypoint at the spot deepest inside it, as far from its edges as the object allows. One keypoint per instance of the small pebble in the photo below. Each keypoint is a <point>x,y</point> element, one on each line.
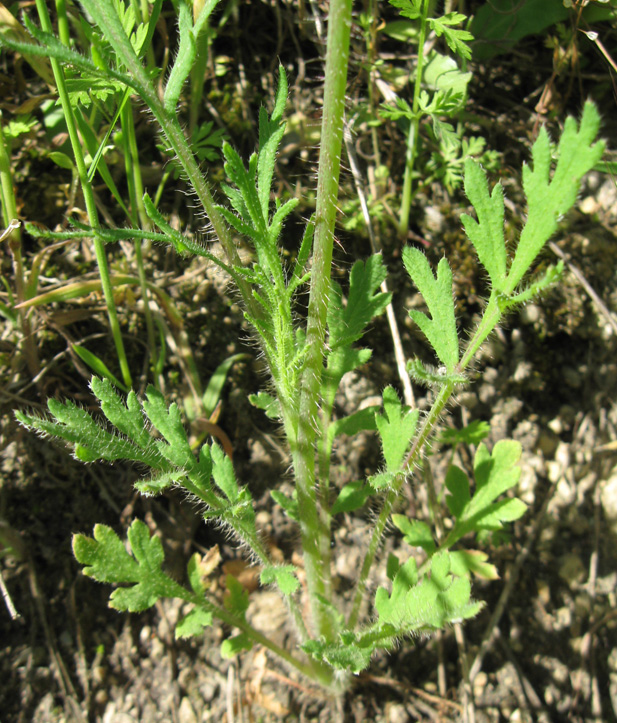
<point>572,570</point>
<point>186,714</point>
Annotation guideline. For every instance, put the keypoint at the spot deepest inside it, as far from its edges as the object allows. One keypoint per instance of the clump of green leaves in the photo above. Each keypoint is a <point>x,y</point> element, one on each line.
<point>307,365</point>
<point>439,95</point>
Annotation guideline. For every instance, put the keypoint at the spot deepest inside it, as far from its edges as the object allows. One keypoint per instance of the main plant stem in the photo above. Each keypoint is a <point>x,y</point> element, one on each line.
<point>313,520</point>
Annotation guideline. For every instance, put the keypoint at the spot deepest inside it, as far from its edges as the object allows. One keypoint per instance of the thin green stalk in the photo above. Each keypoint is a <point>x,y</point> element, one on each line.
<point>311,670</point>
<point>197,75</point>
<point>487,324</point>
<point>380,525</point>
<point>99,248</point>
<point>9,212</point>
<point>246,533</point>
<point>303,449</point>
<point>64,31</point>
<point>414,125</point>
<point>105,16</point>
<point>490,319</point>
<point>139,217</point>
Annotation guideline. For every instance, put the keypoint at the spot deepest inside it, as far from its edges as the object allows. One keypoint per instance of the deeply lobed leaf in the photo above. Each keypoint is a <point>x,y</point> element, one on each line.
<point>427,603</point>
<point>440,327</point>
<point>396,427</point>
<point>347,321</point>
<point>107,560</point>
<point>495,474</point>
<point>271,132</point>
<point>549,198</point>
<point>487,233</point>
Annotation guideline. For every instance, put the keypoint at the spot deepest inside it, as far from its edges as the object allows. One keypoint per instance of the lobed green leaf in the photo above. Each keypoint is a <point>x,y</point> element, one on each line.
<point>363,419</point>
<point>487,233</point>
<point>283,576</point>
<point>472,433</point>
<point>428,603</point>
<point>549,198</point>
<point>455,38</point>
<point>465,562</point>
<point>396,427</point>
<point>416,533</point>
<point>193,623</point>
<point>411,9</point>
<point>440,328</point>
<point>289,504</point>
<point>271,131</point>
<point>107,560</point>
<point>269,404</point>
<point>129,418</point>
<point>349,653</point>
<point>90,439</point>
<point>495,474</point>
<point>223,474</point>
<point>168,421</point>
<point>233,646</point>
<point>346,322</point>
<point>353,496</point>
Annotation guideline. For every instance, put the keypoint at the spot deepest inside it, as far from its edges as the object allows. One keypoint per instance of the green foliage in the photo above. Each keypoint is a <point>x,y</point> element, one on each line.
<point>499,25</point>
<point>307,361</point>
<point>548,199</point>
<point>193,623</point>
<point>440,328</point>
<point>473,433</point>
<point>353,496</point>
<point>454,37</point>
<point>347,320</point>
<point>105,559</point>
<point>18,126</point>
<point>396,428</point>
<point>427,602</point>
<point>439,93</point>
<point>283,576</point>
<point>549,196</point>
<point>416,604</point>
<point>487,233</point>
<point>495,473</point>
<point>415,532</point>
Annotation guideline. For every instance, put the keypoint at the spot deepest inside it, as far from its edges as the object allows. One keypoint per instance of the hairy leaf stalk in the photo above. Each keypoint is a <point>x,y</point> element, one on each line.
<point>490,319</point>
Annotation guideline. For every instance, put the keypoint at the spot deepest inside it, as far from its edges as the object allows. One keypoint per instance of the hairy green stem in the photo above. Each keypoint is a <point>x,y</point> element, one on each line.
<point>303,448</point>
<point>414,124</point>
<point>99,248</point>
<point>488,322</point>
<point>313,671</point>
